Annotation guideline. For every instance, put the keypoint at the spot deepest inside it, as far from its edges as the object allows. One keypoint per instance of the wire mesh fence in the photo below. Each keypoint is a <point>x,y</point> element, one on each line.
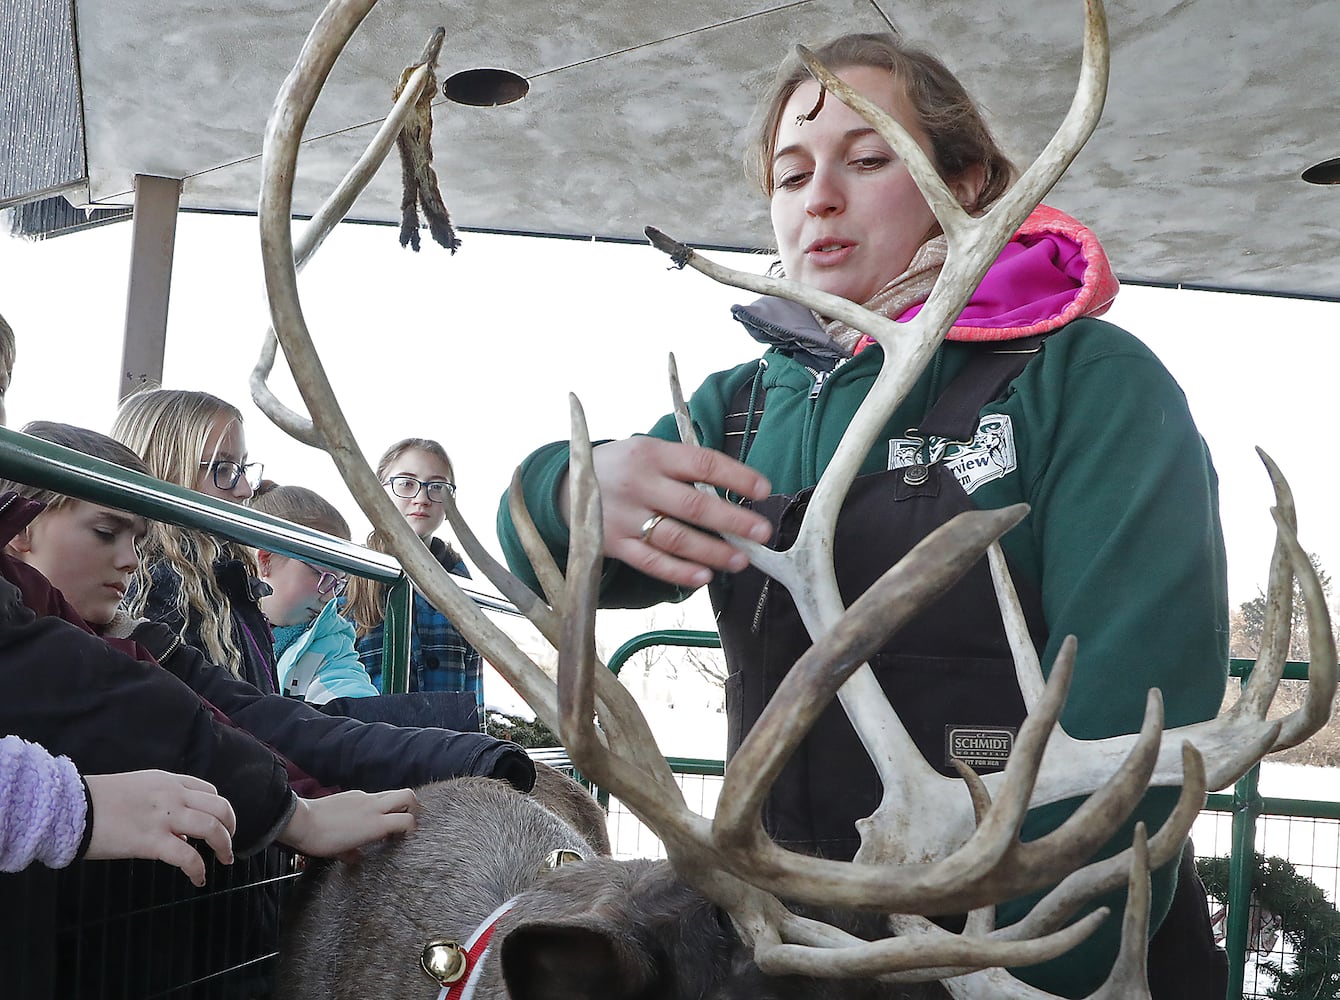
<point>1276,932</point>
<point>139,930</point>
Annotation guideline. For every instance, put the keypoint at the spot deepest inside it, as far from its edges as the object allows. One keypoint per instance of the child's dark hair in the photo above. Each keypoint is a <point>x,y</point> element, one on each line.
<point>78,439</point>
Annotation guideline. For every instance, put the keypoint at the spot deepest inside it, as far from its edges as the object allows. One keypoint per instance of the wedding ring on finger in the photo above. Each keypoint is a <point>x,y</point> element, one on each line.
<point>649,525</point>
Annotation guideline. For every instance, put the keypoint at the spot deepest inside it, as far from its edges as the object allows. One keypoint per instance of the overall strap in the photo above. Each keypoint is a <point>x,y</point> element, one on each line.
<point>954,415</point>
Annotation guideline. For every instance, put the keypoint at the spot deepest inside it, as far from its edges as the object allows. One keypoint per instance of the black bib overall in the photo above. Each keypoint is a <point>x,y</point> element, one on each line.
<point>949,674</point>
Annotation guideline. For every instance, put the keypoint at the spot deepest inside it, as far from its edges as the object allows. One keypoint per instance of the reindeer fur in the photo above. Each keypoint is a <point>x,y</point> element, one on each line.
<point>600,929</point>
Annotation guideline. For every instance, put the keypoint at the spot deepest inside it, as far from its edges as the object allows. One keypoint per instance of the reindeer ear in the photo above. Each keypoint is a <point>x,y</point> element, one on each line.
<point>566,962</point>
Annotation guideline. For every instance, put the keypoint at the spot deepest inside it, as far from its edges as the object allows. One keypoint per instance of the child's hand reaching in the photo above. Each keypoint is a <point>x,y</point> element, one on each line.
<point>338,825</point>
<point>149,814</point>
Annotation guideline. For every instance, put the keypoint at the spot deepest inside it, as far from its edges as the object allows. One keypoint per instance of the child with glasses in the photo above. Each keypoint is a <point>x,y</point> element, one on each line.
<point>419,477</point>
<point>204,588</point>
<point>313,644</point>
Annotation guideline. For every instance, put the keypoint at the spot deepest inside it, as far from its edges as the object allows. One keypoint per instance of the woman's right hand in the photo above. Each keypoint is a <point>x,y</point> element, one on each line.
<point>338,825</point>
<point>641,477</point>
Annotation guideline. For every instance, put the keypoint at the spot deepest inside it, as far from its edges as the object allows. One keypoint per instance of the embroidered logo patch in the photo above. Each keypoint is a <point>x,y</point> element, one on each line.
<point>989,456</point>
<point>983,748</point>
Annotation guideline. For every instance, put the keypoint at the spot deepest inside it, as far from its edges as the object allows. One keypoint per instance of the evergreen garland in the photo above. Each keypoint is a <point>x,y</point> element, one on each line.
<point>520,730</point>
<point>1308,921</point>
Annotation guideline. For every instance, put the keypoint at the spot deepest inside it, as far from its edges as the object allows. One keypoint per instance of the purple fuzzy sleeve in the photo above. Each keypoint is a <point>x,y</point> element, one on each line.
<point>42,807</point>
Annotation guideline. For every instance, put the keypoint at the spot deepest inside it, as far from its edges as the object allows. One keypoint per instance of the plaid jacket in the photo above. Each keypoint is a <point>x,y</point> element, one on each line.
<point>439,657</point>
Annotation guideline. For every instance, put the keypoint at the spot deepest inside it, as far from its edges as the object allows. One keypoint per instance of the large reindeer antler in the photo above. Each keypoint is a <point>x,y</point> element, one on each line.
<point>328,429</point>
<point>934,844</point>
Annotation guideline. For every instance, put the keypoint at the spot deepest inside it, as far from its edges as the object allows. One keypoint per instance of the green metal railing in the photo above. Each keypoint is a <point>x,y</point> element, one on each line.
<point>662,637</point>
<point>29,460</point>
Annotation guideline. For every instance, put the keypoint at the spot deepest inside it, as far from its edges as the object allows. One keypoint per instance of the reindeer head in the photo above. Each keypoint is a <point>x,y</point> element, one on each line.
<point>934,844</point>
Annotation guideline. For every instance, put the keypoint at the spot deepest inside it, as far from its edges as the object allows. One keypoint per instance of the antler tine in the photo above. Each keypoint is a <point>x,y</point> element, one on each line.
<point>1075,889</point>
<point>825,303</point>
<point>1260,689</point>
<point>1233,742</point>
<point>1086,107</point>
<point>992,864</point>
<point>1303,722</point>
<point>541,560</point>
<point>1027,666</point>
<point>647,778</point>
<point>1129,978</point>
<point>328,216</point>
<point>1103,876</point>
<point>1289,562</point>
<point>922,951</point>
<point>683,422</point>
<point>896,597</point>
<point>934,949</point>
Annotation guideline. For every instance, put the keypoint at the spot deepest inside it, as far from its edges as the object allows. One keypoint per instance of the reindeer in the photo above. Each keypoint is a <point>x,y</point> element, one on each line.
<point>732,913</point>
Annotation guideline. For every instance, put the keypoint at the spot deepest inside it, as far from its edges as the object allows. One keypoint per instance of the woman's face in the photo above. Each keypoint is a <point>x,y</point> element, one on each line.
<point>296,600</point>
<point>847,216</point>
<point>424,516</point>
<point>225,443</point>
<point>88,552</point>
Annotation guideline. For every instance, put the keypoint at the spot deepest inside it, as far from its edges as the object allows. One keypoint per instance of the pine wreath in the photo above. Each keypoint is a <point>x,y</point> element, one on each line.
<point>1309,922</point>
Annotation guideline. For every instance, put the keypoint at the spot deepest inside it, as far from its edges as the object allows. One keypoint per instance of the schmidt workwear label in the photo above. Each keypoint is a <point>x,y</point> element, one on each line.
<point>980,747</point>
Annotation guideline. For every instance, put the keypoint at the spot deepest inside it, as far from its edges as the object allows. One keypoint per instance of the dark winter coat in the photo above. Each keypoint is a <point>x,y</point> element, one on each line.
<point>372,756</point>
<point>249,629</point>
<point>106,705</point>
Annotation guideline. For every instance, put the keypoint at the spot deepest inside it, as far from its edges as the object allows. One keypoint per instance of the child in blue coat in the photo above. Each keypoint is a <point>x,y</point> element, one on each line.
<point>314,645</point>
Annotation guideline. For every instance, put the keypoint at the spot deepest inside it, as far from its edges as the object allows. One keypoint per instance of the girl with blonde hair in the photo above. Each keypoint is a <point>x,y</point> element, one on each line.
<point>204,587</point>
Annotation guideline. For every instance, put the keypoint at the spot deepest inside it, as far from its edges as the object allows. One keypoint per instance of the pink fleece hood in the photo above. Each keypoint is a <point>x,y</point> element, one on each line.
<point>1051,272</point>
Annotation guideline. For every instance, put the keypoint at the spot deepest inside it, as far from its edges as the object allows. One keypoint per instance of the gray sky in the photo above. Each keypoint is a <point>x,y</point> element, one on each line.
<point>480,350</point>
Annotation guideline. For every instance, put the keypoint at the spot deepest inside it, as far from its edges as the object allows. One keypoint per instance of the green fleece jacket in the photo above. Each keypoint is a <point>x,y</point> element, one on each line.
<point>1123,538</point>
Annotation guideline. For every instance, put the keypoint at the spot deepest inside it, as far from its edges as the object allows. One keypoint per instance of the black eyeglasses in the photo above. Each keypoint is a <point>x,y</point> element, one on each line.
<point>328,582</point>
<point>226,474</point>
<point>407,488</point>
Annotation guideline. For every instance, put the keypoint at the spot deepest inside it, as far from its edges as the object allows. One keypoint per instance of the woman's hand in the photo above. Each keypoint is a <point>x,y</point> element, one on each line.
<point>149,814</point>
<point>338,825</point>
<point>642,477</point>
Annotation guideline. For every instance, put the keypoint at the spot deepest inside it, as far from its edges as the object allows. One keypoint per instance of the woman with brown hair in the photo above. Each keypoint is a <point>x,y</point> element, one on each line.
<point>1029,399</point>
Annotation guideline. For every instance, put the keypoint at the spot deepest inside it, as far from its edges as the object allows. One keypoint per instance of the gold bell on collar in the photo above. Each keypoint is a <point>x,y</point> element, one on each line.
<point>444,960</point>
<point>558,859</point>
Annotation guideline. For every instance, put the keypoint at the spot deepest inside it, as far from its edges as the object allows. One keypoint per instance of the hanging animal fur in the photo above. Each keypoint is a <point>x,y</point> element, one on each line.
<point>416,169</point>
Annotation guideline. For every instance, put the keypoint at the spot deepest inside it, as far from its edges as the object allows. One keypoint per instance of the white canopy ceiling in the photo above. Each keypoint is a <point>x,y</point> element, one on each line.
<point>637,112</point>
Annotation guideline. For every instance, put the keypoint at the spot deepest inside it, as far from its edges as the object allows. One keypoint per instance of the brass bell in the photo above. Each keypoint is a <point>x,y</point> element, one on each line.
<point>444,960</point>
<point>558,859</point>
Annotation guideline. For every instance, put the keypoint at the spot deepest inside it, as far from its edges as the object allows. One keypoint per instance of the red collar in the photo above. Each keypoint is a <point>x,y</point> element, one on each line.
<point>475,950</point>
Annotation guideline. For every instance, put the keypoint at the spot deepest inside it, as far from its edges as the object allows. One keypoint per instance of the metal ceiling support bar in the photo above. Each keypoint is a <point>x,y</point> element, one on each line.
<point>152,245</point>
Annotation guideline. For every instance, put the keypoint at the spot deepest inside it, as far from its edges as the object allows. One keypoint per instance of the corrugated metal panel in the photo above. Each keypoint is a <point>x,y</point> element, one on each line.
<point>41,119</point>
<point>55,216</point>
